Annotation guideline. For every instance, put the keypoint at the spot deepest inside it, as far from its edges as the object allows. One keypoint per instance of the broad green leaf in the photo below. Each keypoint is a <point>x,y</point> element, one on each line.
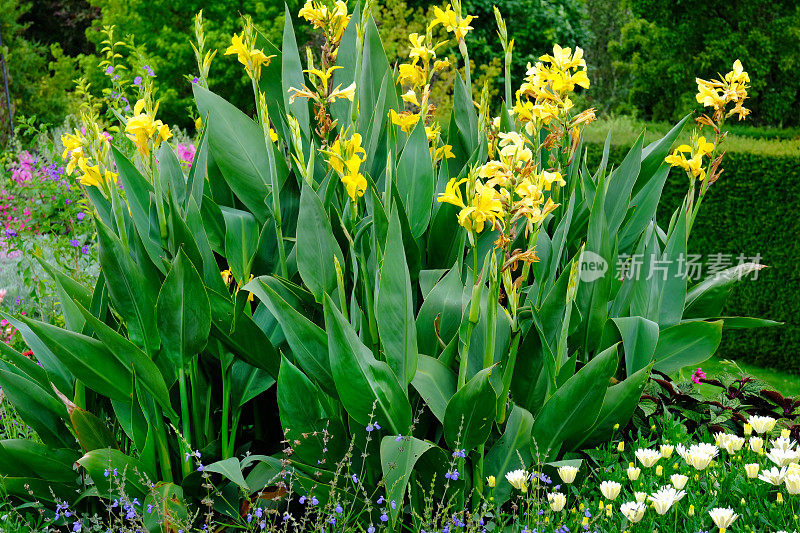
<point>195,183</point>
<point>470,413</point>
<point>643,208</point>
<point>26,458</point>
<point>740,322</point>
<point>36,406</point>
<point>54,369</point>
<point>316,246</point>
<point>133,295</point>
<point>395,307</point>
<point>230,470</point>
<point>168,508</point>
<point>414,178</point>
<point>435,383</point>
<point>237,144</point>
<point>687,343</point>
<point>639,339</point>
<point>92,433</point>
<point>575,406</point>
<point>308,342</point>
<point>242,335</point>
<point>707,298</point>
<point>398,459</point>
<point>303,417</point>
<point>119,351</point>
<point>115,473</point>
<point>241,242</point>
<point>442,307</point>
<point>183,312</point>
<point>673,284</point>
<point>247,382</point>
<point>464,114</point>
<point>510,452</point>
<point>618,406</point>
<point>173,182</point>
<point>619,186</point>
<point>140,197</point>
<point>365,385</point>
<point>86,357</point>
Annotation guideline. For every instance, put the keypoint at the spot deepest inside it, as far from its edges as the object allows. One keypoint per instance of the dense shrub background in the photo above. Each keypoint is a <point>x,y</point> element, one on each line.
<point>751,209</point>
<point>664,44</point>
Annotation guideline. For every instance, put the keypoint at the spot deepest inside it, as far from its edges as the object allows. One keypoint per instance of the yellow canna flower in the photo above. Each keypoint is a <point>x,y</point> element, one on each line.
<point>451,21</point>
<point>485,207</point>
<point>252,59</point>
<point>405,120</point>
<point>348,92</point>
<point>411,97</point>
<point>410,74</point>
<point>345,157</point>
<point>227,276</point>
<point>452,193</point>
<point>323,76</point>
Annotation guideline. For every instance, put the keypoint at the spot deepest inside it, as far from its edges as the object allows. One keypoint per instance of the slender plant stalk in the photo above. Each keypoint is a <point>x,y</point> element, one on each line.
<point>186,465</point>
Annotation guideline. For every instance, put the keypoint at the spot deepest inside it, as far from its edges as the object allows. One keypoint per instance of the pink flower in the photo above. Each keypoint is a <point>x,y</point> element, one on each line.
<point>186,153</point>
<point>697,375</point>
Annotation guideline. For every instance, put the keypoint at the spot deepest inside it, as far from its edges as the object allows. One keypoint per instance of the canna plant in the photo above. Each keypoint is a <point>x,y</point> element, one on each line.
<point>443,295</point>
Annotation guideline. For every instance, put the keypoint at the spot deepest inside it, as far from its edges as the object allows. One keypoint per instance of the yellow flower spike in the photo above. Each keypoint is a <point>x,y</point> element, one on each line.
<point>227,276</point>
<point>405,120</point>
<point>355,184</point>
<point>490,481</point>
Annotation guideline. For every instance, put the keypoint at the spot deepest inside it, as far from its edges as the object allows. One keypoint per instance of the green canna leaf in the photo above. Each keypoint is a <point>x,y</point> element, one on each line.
<point>510,452</point>
<point>436,383</point>
<point>307,341</point>
<point>183,312</point>
<point>414,179</point>
<point>134,296</point>
<point>470,413</point>
<point>364,384</point>
<point>115,473</point>
<point>687,343</point>
<point>398,459</point>
<point>238,149</point>
<point>316,246</point>
<point>639,339</point>
<point>575,406</point>
<point>395,307</point>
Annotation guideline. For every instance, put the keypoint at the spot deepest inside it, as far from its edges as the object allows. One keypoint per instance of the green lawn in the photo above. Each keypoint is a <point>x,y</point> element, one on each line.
<point>787,384</point>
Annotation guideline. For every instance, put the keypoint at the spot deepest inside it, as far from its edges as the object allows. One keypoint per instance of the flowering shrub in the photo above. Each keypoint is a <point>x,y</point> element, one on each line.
<point>436,304</point>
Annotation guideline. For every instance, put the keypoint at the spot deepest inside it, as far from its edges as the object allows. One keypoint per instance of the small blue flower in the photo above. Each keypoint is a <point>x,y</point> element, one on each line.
<point>355,479</point>
<point>137,80</point>
<point>460,453</point>
<point>384,517</point>
<point>109,69</point>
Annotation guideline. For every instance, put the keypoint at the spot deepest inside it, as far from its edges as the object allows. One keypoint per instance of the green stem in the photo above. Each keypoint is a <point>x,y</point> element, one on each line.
<point>225,411</point>
<point>159,197</point>
<point>491,316</point>
<point>507,375</point>
<point>186,466</point>
<point>162,447</point>
<point>478,478</point>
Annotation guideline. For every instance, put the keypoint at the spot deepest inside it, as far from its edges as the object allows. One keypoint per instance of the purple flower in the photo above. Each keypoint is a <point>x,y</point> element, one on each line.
<point>452,475</point>
<point>460,453</point>
<point>81,215</point>
<point>137,80</point>
<point>195,80</point>
<point>149,71</point>
<point>398,438</point>
<point>11,232</point>
<point>355,479</point>
<point>109,69</point>
<point>384,517</point>
<point>74,242</point>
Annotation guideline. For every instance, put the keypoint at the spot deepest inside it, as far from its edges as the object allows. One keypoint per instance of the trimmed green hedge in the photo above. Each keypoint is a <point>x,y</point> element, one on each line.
<point>753,208</point>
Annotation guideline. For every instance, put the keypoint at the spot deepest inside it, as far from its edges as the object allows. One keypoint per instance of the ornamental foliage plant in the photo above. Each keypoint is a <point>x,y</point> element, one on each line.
<point>344,280</point>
